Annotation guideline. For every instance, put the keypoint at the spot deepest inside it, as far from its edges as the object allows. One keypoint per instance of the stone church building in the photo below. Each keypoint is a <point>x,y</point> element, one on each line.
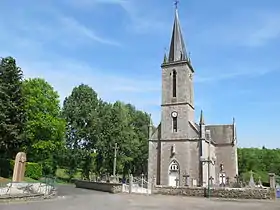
<point>183,152</point>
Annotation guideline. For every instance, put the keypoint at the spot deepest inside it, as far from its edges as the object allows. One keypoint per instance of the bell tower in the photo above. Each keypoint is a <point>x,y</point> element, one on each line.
<point>177,107</point>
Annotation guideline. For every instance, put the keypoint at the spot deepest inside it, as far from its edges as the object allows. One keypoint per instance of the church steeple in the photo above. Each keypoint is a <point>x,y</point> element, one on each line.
<point>177,51</point>
<point>201,120</point>
<point>164,58</point>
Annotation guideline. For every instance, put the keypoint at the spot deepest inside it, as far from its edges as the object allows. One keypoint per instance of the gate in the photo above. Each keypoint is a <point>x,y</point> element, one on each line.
<point>136,185</point>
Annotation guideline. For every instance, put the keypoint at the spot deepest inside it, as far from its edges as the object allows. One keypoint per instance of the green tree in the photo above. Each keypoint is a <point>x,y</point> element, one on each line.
<point>140,124</point>
<point>103,152</point>
<point>12,112</point>
<point>80,111</point>
<point>260,161</point>
<point>117,127</point>
<point>45,128</point>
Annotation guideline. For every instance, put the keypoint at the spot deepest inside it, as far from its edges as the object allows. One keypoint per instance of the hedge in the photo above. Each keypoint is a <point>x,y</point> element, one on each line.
<point>5,168</point>
<point>32,170</point>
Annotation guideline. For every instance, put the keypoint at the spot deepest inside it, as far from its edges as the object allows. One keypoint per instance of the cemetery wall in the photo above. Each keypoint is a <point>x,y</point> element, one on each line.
<point>99,186</point>
<point>236,193</point>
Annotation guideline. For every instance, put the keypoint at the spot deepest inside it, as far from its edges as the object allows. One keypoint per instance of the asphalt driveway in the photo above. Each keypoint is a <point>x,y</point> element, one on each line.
<point>71,198</point>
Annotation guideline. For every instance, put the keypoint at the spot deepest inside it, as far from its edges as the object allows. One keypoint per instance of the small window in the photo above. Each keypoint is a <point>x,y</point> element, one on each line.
<point>174,124</point>
<point>174,83</point>
<point>174,166</point>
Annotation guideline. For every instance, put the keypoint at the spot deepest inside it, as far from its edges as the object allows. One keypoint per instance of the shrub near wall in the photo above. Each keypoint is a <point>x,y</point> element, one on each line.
<point>32,170</point>
<point>5,170</point>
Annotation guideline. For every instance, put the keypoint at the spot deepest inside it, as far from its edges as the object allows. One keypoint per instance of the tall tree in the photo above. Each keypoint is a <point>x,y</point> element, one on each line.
<point>104,153</point>
<point>80,111</point>
<point>140,122</point>
<point>117,127</point>
<point>45,128</point>
<point>12,113</point>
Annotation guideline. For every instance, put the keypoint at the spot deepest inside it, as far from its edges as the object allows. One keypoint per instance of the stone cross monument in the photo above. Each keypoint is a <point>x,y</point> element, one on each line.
<point>19,167</point>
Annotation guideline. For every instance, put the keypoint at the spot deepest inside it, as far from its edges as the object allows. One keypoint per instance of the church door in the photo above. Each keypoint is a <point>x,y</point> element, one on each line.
<point>173,179</point>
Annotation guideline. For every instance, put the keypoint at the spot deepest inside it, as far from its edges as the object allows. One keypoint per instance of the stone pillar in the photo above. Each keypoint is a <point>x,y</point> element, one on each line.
<point>19,167</point>
<point>130,183</point>
<point>272,185</point>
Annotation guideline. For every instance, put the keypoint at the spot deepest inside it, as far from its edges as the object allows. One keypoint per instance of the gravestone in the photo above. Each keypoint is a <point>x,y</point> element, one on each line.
<point>252,182</point>
<point>222,181</point>
<point>237,182</point>
<point>194,183</point>
<point>177,182</point>
<point>19,167</point>
<point>272,181</point>
<point>237,179</point>
<point>130,183</point>
<point>227,181</point>
<point>259,182</point>
<point>211,179</point>
<point>187,180</point>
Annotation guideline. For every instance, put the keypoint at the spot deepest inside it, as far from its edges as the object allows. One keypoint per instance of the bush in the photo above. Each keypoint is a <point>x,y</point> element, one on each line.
<point>32,170</point>
<point>5,168</point>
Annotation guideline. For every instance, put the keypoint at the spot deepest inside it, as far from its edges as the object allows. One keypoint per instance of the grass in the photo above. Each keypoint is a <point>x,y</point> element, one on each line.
<point>26,179</point>
<point>61,173</point>
<point>61,178</point>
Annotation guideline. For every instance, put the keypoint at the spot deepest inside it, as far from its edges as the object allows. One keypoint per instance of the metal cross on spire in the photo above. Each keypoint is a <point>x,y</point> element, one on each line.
<point>176,2</point>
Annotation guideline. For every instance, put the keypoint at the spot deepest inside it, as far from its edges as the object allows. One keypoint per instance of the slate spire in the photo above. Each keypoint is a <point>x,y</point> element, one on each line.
<point>165,58</point>
<point>177,51</point>
<point>201,120</point>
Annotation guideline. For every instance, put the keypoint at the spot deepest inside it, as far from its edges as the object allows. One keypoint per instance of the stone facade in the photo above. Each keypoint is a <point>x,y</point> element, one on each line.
<point>180,148</point>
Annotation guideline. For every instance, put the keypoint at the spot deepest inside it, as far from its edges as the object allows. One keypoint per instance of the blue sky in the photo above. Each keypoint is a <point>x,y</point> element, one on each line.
<point>117,47</point>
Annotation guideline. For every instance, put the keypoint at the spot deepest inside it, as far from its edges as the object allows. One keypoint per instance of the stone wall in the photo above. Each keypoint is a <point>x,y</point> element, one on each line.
<point>236,193</point>
<point>99,186</point>
<point>26,197</point>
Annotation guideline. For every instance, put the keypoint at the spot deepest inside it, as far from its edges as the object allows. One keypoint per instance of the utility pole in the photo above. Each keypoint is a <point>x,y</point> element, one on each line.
<point>115,160</point>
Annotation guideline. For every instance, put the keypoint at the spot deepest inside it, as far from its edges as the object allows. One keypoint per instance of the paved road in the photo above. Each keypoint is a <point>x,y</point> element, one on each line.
<point>92,200</point>
<point>71,190</point>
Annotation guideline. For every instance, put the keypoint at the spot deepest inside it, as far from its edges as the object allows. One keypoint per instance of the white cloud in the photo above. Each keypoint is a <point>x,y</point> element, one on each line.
<point>141,19</point>
<point>249,28</point>
<point>268,29</point>
<point>79,29</point>
<point>48,28</point>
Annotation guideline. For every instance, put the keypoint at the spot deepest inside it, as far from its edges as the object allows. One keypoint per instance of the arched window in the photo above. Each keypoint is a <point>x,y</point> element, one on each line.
<point>174,83</point>
<point>174,124</point>
<point>174,166</point>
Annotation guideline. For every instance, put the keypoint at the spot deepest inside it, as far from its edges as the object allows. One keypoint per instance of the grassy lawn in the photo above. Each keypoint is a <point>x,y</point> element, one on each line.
<point>61,173</point>
<point>61,178</point>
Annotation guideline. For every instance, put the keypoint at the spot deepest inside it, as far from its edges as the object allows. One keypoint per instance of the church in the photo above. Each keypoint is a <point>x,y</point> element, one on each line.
<point>183,152</point>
